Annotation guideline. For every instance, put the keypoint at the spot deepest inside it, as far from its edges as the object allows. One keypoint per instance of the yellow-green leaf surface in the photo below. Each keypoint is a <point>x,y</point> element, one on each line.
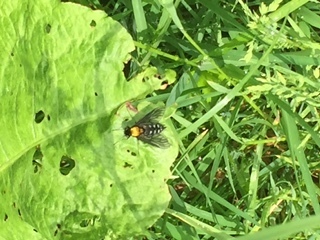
<point>66,169</point>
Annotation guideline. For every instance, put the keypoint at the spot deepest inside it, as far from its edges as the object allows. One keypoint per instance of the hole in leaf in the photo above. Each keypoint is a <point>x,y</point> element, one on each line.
<point>153,170</point>
<point>12,54</point>
<point>164,85</point>
<point>14,204</point>
<point>157,76</point>
<point>95,93</point>
<point>127,69</point>
<point>93,23</point>
<point>35,230</point>
<point>127,165</point>
<point>84,223</point>
<point>66,165</point>
<point>58,228</point>
<point>89,221</point>
<point>5,217</point>
<point>39,116</point>
<point>48,117</point>
<point>37,159</point>
<point>19,212</point>
<point>133,154</point>
<point>165,82</point>
<point>48,28</point>
<point>111,185</point>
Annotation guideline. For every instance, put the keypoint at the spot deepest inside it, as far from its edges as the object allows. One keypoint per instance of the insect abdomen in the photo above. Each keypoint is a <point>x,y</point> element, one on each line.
<point>152,129</point>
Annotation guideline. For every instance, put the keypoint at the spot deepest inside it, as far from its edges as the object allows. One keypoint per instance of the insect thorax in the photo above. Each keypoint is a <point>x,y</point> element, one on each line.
<point>133,131</point>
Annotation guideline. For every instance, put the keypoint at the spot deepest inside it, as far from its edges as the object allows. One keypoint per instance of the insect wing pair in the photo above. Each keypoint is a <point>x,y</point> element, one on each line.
<point>148,129</point>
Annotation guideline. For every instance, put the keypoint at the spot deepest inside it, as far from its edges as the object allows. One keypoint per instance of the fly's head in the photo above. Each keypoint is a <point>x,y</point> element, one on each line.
<point>127,132</point>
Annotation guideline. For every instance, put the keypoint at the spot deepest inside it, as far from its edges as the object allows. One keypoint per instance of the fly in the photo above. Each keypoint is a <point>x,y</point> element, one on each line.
<point>148,130</point>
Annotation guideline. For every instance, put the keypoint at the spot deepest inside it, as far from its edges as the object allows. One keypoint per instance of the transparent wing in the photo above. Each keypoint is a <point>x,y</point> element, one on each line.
<point>156,140</point>
<point>151,116</point>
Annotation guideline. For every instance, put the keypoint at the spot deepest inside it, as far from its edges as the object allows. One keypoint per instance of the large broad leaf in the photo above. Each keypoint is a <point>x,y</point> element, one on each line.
<point>66,169</point>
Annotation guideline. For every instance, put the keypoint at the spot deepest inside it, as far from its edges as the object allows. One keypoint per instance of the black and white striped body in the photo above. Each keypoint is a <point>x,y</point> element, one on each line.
<point>152,129</point>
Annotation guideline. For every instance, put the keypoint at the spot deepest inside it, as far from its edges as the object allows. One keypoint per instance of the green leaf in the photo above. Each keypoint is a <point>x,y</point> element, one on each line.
<point>66,170</point>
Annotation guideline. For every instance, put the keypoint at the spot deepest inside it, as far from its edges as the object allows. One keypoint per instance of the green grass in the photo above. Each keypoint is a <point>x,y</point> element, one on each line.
<point>246,113</point>
<point>247,117</point>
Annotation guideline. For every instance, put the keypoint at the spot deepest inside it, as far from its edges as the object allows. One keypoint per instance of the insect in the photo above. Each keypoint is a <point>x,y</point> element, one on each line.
<point>148,130</point>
